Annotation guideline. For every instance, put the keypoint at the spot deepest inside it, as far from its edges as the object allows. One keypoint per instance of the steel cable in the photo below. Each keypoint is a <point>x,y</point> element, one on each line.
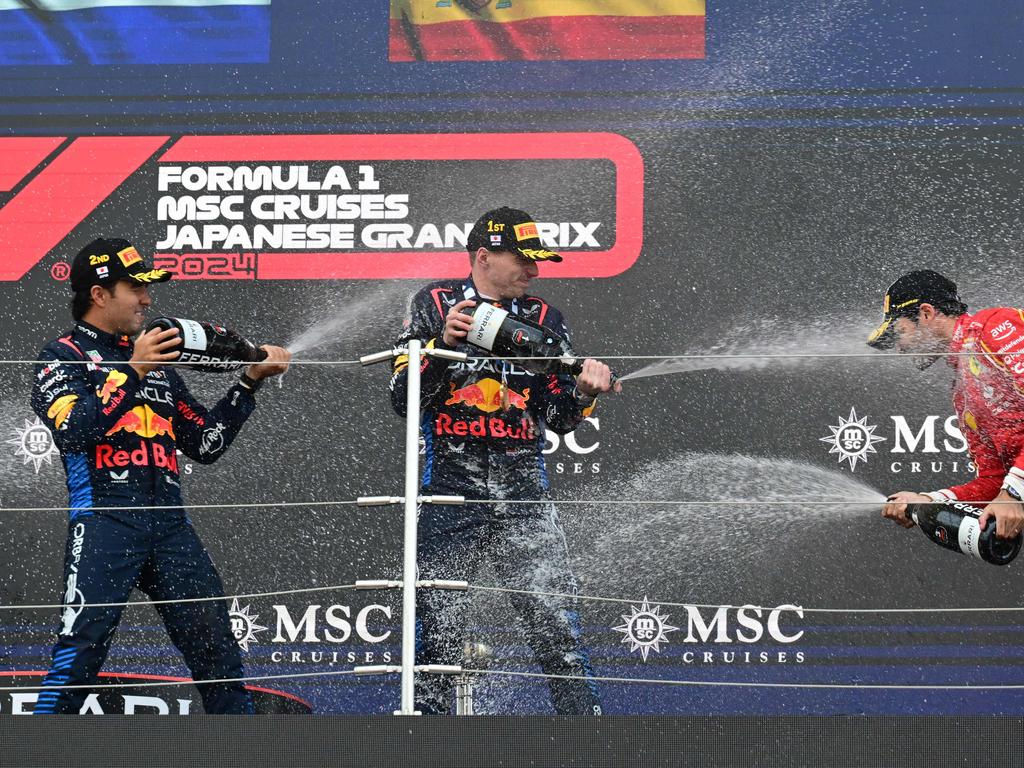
<point>640,601</point>
<point>216,598</point>
<point>163,683</point>
<point>740,684</point>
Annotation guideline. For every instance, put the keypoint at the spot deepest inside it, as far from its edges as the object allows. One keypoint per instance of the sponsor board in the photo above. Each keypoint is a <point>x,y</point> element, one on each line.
<point>316,633</point>
<point>34,443</point>
<point>289,207</point>
<point>745,634</point>
<point>136,694</point>
<point>931,444</point>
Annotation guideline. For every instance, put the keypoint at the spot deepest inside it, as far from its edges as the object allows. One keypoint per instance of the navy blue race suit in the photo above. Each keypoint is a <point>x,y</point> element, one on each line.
<point>483,425</point>
<point>118,438</point>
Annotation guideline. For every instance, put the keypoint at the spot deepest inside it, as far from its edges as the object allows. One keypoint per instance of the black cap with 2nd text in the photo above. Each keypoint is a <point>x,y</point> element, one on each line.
<point>104,261</point>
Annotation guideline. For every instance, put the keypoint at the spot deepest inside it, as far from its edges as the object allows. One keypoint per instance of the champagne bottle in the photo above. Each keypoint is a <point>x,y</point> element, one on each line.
<point>505,335</point>
<point>954,525</point>
<point>208,347</point>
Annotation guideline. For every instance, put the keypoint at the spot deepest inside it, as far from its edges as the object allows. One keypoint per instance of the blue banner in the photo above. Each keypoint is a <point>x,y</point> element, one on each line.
<point>129,33</point>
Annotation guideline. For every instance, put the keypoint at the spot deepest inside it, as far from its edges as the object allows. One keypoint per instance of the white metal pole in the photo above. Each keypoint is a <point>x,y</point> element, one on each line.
<point>412,483</point>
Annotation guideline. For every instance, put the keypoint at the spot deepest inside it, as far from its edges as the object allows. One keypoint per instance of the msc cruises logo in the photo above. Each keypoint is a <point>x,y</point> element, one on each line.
<point>243,625</point>
<point>853,439</point>
<point>34,443</point>
<point>645,629</point>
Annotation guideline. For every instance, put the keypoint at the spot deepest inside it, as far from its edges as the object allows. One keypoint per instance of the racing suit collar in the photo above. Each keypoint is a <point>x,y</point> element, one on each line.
<point>469,291</point>
<point>90,334</point>
<point>957,343</point>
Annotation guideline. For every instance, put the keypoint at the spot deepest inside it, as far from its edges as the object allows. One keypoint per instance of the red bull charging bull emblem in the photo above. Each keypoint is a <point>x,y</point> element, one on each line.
<point>141,421</point>
<point>488,395</point>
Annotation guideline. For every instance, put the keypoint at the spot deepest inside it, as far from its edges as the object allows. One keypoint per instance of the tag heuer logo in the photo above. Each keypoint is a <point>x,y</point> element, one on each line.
<point>853,439</point>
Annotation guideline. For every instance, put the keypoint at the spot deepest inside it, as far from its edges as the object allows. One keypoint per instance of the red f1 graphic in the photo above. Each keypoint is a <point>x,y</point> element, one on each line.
<point>63,194</point>
<point>86,171</point>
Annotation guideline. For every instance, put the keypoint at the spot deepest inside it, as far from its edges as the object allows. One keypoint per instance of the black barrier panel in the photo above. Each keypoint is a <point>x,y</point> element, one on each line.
<point>753,241</point>
<point>134,694</point>
<point>363,742</point>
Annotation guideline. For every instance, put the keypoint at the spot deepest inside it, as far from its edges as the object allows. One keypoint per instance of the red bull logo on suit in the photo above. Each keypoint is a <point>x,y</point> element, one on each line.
<point>114,381</point>
<point>488,395</point>
<point>108,457</point>
<point>485,427</point>
<point>142,421</point>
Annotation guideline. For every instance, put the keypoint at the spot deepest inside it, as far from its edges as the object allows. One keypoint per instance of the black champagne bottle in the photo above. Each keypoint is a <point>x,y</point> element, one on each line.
<point>506,335</point>
<point>954,525</point>
<point>208,347</point>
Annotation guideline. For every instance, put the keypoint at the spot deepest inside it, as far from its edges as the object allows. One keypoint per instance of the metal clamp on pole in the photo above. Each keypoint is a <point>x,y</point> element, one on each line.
<point>379,501</point>
<point>377,584</point>
<point>376,669</point>
<point>446,354</point>
<point>459,586</point>
<point>456,500</point>
<point>439,669</point>
<point>380,357</point>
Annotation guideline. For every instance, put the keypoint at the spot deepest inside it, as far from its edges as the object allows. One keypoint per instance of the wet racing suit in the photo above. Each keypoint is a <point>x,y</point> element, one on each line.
<point>988,394</point>
<point>483,425</point>
<point>118,437</point>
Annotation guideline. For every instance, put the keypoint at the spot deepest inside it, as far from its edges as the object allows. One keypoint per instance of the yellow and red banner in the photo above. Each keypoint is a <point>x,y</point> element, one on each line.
<point>546,30</point>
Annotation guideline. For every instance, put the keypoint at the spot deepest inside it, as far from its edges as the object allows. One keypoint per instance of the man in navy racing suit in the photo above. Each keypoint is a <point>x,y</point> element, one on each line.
<point>118,419</point>
<point>483,425</point>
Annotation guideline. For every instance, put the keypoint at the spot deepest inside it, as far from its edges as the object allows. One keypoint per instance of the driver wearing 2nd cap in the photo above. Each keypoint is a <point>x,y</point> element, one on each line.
<point>925,316</point>
<point>118,417</point>
<point>483,425</point>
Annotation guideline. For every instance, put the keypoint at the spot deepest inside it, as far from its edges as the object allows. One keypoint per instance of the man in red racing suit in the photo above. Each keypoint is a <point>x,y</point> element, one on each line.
<point>924,315</point>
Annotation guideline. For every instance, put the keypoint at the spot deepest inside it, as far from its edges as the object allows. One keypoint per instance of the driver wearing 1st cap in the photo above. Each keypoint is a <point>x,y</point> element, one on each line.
<point>483,425</point>
<point>925,316</point>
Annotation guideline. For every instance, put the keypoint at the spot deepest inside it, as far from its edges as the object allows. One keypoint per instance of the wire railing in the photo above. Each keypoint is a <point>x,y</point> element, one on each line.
<point>743,684</point>
<point>212,599</point>
<point>680,357</point>
<point>173,683</point>
<point>875,502</point>
<point>440,669</point>
<point>734,606</point>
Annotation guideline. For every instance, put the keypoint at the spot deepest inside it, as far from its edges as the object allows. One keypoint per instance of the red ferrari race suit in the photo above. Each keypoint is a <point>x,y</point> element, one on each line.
<point>988,394</point>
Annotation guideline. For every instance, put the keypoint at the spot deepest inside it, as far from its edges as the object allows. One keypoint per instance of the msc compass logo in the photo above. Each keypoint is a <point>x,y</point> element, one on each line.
<point>243,625</point>
<point>35,443</point>
<point>931,444</point>
<point>645,628</point>
<point>853,439</point>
